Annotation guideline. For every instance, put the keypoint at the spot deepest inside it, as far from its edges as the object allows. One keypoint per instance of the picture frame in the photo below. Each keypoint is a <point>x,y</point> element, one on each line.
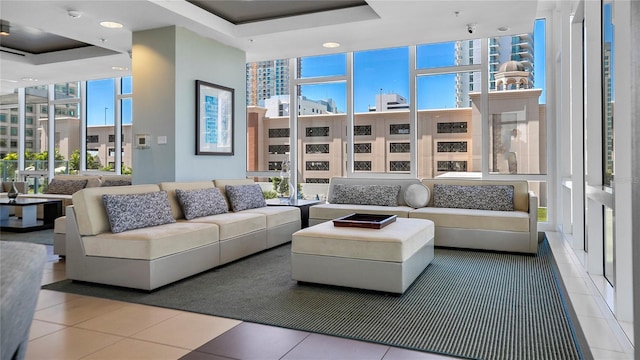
<point>214,119</point>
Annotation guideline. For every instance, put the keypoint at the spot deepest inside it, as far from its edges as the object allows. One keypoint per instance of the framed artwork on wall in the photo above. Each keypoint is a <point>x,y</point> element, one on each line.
<point>214,119</point>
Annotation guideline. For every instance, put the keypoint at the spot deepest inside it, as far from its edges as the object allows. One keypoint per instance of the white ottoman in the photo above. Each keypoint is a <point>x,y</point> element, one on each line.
<point>387,259</point>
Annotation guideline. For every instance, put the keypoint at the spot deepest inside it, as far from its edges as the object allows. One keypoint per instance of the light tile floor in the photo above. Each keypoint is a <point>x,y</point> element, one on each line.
<point>68,326</point>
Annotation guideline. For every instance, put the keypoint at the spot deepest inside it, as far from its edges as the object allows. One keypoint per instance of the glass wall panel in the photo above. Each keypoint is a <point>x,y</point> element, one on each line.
<point>446,124</point>
<point>608,95</point>
<point>127,85</point>
<point>381,80</point>
<point>325,65</point>
<point>67,138</point>
<point>609,245</point>
<point>127,135</point>
<point>100,124</point>
<point>540,188</point>
<point>455,53</point>
<point>67,91</point>
<point>321,133</point>
<point>9,138</point>
<point>517,111</point>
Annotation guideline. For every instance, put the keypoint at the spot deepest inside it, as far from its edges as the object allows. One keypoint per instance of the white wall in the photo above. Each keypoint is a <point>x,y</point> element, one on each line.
<point>166,64</point>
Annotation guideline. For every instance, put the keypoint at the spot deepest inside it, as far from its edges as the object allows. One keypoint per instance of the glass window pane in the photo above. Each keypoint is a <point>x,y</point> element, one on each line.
<point>67,139</point>
<point>446,142</point>
<point>517,114</point>
<point>266,79</point>
<point>540,188</point>
<point>321,132</point>
<point>67,90</point>
<point>381,80</point>
<point>100,124</point>
<point>127,85</point>
<point>455,53</point>
<point>608,93</point>
<point>127,136</point>
<point>325,65</point>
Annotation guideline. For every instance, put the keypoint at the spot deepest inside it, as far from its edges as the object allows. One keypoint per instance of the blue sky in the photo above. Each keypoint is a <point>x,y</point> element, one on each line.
<point>100,96</point>
<point>385,70</point>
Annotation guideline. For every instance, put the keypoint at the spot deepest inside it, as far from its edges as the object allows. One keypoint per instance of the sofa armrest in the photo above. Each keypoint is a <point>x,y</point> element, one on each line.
<point>533,221</point>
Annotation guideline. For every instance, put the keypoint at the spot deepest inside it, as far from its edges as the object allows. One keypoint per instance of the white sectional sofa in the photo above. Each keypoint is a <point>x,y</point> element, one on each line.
<point>461,209</point>
<point>149,257</point>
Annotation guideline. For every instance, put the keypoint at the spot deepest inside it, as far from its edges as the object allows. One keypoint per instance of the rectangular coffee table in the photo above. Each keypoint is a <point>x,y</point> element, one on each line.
<point>387,259</point>
<point>29,221</point>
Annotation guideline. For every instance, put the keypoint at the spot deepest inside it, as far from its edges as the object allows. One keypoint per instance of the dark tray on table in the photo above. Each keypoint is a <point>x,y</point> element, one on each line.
<point>370,221</point>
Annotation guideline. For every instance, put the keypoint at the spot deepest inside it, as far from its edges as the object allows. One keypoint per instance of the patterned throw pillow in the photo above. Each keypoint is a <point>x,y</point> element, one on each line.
<point>135,211</point>
<point>116,183</point>
<point>201,202</point>
<point>382,195</point>
<point>65,187</point>
<point>480,197</point>
<point>243,197</point>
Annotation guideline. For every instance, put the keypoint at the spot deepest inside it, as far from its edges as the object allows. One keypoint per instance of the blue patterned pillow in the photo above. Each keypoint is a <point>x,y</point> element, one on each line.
<point>381,195</point>
<point>479,197</point>
<point>201,202</point>
<point>135,211</point>
<point>243,197</point>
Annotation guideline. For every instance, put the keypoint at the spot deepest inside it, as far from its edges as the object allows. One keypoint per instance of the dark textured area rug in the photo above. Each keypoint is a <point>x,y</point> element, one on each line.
<point>474,304</point>
<point>43,237</point>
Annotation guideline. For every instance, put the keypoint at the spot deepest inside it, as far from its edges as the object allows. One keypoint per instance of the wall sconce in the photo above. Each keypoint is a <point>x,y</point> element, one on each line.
<point>143,141</point>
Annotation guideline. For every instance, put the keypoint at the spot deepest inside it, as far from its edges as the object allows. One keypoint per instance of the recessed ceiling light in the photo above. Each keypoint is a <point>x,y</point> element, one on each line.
<point>331,44</point>
<point>111,24</point>
<point>8,80</point>
<point>503,28</point>
<point>28,79</point>
<point>119,68</point>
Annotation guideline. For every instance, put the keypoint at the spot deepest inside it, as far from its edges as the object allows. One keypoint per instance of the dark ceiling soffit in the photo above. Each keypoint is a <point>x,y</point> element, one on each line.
<point>230,11</point>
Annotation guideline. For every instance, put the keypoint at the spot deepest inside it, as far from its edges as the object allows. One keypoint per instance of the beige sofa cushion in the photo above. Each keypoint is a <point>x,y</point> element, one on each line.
<point>235,224</point>
<point>60,225</point>
<point>395,242</point>
<point>152,242</point>
<point>277,215</point>
<point>170,188</point>
<point>90,211</point>
<point>474,219</point>
<point>333,211</point>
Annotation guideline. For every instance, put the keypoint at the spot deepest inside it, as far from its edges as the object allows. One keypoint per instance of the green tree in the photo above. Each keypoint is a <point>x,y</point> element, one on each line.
<point>74,161</point>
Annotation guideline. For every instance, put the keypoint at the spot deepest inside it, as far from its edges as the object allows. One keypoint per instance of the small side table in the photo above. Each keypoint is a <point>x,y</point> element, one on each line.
<point>302,204</point>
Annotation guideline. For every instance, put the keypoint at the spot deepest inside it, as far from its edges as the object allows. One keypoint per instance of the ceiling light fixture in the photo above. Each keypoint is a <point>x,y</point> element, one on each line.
<point>4,28</point>
<point>74,14</point>
<point>331,45</point>
<point>503,28</point>
<point>111,24</point>
<point>119,68</point>
<point>28,79</point>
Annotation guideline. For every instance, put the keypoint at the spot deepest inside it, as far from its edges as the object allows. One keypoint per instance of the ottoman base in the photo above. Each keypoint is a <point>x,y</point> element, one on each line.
<point>387,276</point>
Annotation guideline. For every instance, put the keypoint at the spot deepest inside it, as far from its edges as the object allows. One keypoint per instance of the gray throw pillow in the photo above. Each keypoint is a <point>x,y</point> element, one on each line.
<point>201,202</point>
<point>243,197</point>
<point>65,187</point>
<point>381,195</point>
<point>135,211</point>
<point>116,183</point>
<point>479,197</point>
